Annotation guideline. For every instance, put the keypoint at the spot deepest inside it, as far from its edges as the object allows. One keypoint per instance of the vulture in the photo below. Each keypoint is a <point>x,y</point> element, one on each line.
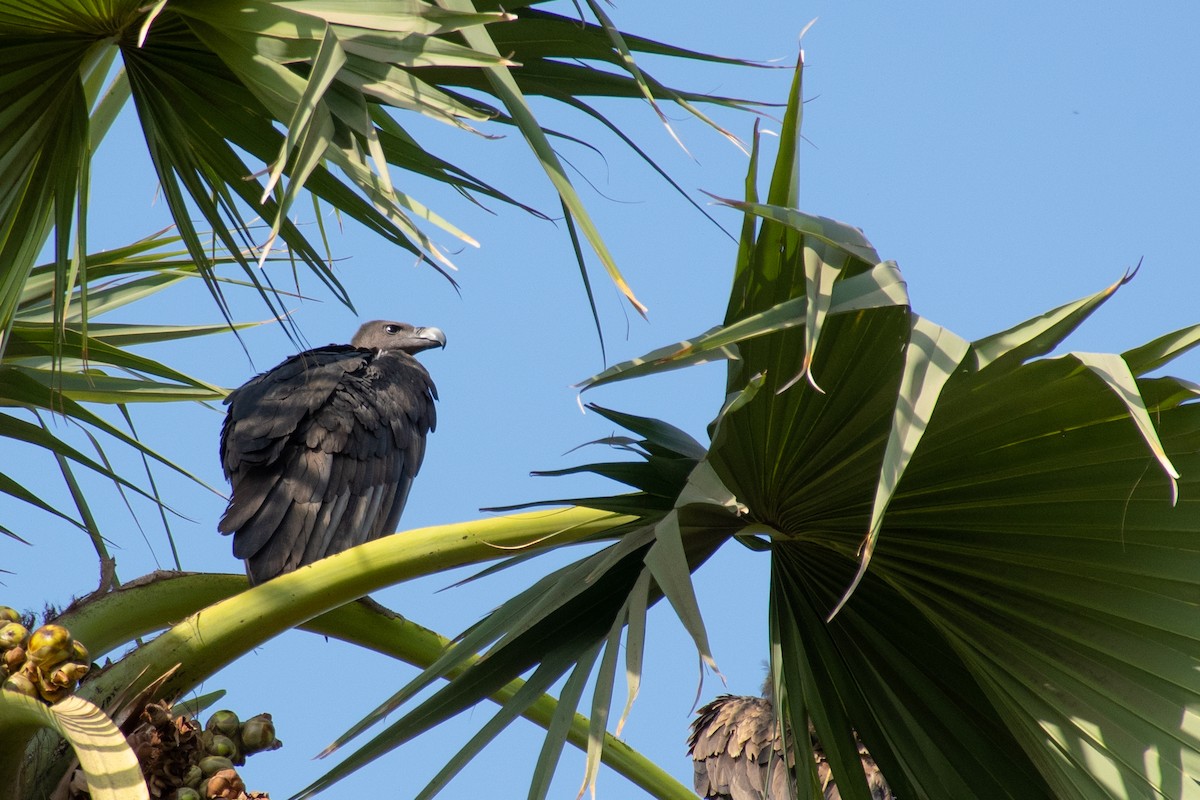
<point>321,450</point>
<point>737,754</point>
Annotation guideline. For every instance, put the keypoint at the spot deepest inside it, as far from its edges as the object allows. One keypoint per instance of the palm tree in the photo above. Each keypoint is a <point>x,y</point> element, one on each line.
<point>976,561</point>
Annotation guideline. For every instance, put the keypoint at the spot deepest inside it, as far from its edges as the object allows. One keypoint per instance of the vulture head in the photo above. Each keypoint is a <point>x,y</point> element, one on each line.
<point>381,334</point>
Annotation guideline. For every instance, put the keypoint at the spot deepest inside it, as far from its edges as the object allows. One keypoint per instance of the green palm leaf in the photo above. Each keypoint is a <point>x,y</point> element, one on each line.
<point>561,622</point>
<point>994,479</point>
<point>110,768</point>
<point>978,563</point>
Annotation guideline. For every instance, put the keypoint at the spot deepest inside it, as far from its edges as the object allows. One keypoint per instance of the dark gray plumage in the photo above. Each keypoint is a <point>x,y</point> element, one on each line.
<point>321,451</point>
<point>737,754</point>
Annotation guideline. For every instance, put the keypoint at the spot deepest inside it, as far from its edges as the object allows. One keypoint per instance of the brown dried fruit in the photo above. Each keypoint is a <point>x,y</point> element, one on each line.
<point>167,748</point>
<point>226,784</point>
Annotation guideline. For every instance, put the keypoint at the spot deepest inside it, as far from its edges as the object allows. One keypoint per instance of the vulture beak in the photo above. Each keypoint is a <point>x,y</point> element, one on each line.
<point>433,336</point>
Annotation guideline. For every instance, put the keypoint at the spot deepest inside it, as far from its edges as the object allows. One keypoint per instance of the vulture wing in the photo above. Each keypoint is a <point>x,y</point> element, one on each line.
<point>321,452</point>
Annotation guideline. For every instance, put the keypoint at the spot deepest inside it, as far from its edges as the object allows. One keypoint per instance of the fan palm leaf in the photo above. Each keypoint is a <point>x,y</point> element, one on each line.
<point>983,557</point>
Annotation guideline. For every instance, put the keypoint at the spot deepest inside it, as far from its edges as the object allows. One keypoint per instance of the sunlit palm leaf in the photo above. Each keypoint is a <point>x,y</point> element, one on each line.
<point>321,70</point>
<point>1034,530</point>
<point>110,768</point>
<point>43,144</point>
<point>880,286</point>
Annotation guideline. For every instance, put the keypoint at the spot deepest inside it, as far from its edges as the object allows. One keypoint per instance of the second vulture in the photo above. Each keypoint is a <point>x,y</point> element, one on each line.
<point>737,753</point>
<point>321,450</point>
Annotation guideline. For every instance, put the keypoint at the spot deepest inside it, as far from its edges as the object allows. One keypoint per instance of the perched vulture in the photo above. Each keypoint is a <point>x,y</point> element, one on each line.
<point>737,754</point>
<point>321,451</point>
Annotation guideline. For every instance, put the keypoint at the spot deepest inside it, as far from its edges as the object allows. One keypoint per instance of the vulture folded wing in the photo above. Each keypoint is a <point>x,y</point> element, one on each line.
<point>267,412</point>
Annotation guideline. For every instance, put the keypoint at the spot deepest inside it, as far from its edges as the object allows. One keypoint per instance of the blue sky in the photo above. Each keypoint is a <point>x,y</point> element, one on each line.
<point>1010,158</point>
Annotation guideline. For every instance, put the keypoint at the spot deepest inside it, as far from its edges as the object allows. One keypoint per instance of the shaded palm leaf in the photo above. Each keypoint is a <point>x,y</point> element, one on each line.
<point>977,562</point>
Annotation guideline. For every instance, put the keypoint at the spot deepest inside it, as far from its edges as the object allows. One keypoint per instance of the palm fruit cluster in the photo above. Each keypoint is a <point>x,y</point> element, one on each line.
<point>179,759</point>
<point>46,664</point>
<point>182,761</point>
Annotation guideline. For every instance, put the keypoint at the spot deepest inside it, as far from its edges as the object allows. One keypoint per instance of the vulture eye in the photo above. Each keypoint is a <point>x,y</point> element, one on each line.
<point>392,329</point>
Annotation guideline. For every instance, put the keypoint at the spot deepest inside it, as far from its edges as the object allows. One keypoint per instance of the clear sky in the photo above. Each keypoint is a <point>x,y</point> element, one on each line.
<point>1011,158</point>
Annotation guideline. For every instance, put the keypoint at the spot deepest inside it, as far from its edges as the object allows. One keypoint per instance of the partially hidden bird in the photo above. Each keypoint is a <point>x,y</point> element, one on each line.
<point>737,752</point>
<point>321,450</point>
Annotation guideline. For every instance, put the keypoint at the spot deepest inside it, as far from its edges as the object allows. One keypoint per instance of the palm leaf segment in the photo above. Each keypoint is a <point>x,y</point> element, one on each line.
<point>62,368</point>
<point>569,622</point>
<point>978,560</point>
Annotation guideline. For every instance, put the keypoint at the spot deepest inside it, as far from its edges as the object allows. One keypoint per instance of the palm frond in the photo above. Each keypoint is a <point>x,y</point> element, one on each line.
<point>572,619</point>
<point>54,362</point>
<point>1026,632</point>
<point>303,87</point>
<point>979,566</point>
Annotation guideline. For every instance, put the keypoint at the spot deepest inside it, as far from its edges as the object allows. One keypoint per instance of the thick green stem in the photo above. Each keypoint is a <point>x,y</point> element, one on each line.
<point>216,635</point>
<point>147,605</point>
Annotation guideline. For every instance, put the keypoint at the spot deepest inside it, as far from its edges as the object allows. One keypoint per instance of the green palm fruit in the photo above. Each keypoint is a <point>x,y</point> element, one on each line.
<point>258,734</point>
<point>222,746</point>
<point>211,765</point>
<point>217,744</point>
<point>9,614</point>
<point>224,722</point>
<point>79,653</point>
<point>187,793</point>
<point>12,634</point>
<point>12,652</point>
